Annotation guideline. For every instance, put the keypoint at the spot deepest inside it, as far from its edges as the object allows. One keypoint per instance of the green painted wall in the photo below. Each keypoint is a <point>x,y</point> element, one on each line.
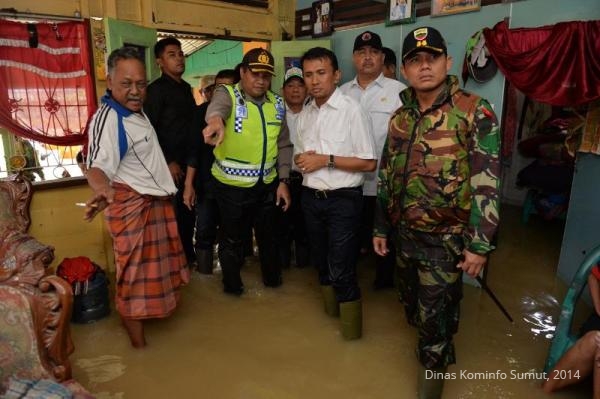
<point>220,54</point>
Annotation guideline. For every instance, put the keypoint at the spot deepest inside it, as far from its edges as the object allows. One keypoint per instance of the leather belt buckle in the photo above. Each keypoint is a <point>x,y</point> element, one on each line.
<point>321,194</point>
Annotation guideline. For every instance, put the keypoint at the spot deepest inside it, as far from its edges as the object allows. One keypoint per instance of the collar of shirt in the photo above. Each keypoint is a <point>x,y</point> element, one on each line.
<point>379,82</point>
<point>409,97</point>
<point>288,110</point>
<point>258,100</point>
<point>334,101</point>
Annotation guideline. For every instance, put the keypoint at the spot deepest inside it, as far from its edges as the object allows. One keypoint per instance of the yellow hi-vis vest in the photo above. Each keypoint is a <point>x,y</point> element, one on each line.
<point>248,152</point>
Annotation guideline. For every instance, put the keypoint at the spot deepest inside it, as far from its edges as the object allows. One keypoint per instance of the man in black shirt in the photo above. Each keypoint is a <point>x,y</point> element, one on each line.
<point>198,193</point>
<point>170,107</point>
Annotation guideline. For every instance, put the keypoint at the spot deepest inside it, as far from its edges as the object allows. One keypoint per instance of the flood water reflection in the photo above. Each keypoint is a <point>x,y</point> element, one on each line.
<point>538,312</point>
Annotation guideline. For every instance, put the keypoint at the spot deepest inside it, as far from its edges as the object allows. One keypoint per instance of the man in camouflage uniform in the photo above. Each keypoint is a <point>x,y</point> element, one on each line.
<point>438,196</point>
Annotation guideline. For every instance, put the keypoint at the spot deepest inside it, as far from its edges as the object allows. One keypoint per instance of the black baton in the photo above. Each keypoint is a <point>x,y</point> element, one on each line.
<point>488,290</point>
<point>491,294</point>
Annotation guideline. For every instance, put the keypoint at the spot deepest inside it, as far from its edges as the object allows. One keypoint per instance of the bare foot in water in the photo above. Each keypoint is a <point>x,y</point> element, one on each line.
<point>135,330</point>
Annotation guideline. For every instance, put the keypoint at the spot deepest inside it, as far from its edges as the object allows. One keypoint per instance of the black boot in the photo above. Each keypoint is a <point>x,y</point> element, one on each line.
<point>431,382</point>
<point>204,258</point>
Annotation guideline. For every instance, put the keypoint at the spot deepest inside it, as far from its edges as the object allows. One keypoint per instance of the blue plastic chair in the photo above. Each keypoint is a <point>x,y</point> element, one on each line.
<point>563,338</point>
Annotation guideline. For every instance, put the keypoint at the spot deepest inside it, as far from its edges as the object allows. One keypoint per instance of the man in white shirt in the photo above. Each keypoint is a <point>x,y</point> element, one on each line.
<point>334,149</point>
<point>379,98</point>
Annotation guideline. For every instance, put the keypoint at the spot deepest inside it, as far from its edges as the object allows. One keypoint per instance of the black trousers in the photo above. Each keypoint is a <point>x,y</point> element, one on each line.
<point>292,226</point>
<point>207,216</point>
<point>332,223</point>
<point>239,210</point>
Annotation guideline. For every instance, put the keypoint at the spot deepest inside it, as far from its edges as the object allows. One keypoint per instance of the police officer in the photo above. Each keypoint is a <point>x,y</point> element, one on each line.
<point>438,196</point>
<point>246,123</point>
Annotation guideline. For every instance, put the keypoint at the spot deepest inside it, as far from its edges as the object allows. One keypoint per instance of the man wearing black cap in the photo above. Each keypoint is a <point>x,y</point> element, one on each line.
<point>246,122</point>
<point>378,97</point>
<point>438,197</point>
<point>389,63</point>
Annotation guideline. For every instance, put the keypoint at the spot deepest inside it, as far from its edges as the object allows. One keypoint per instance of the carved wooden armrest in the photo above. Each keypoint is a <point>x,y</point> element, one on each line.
<point>23,265</point>
<point>23,260</point>
<point>20,191</point>
<point>54,332</point>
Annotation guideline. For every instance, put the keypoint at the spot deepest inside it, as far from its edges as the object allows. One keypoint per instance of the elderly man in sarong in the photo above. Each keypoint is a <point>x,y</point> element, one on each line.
<point>130,179</point>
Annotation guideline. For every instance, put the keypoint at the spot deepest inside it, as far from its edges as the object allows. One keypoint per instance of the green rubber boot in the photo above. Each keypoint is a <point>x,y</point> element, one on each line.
<point>332,307</point>
<point>431,382</point>
<point>351,317</point>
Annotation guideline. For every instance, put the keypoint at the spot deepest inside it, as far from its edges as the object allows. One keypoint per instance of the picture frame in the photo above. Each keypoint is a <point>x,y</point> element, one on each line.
<point>448,7</point>
<point>322,18</point>
<point>400,12</point>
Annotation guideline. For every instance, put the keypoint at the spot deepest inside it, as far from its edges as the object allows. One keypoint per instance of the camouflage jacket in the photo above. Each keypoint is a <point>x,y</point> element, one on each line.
<point>440,169</point>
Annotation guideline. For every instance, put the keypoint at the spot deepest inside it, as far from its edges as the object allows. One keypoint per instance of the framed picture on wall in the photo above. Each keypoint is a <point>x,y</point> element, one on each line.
<point>400,12</point>
<point>448,7</point>
<point>322,16</point>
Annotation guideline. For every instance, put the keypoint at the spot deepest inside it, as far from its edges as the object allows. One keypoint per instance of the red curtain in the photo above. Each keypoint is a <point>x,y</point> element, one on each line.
<point>46,87</point>
<point>557,64</point>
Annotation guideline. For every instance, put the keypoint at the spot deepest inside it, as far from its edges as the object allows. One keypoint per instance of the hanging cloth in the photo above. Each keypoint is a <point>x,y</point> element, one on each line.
<point>556,64</point>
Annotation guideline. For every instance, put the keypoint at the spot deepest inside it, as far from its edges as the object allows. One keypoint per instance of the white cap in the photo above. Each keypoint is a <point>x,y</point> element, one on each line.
<point>293,72</point>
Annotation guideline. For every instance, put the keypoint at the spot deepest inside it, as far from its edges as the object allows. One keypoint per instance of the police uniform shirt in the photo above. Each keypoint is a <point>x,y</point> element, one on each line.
<point>222,106</point>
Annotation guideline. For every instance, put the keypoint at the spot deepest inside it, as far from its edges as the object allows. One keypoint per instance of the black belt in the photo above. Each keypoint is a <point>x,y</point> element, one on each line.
<point>295,175</point>
<point>338,192</point>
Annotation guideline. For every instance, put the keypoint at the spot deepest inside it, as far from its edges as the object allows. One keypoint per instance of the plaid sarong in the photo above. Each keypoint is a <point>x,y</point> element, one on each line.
<point>149,256</point>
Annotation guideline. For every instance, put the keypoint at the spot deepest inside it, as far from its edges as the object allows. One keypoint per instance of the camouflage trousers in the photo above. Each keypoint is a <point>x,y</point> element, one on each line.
<point>430,287</point>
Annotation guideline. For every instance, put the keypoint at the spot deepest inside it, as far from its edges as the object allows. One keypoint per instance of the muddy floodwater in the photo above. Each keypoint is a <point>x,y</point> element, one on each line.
<point>279,343</point>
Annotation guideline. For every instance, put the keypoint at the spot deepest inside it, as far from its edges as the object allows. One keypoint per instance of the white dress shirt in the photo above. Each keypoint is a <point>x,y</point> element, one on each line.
<point>292,118</point>
<point>339,127</point>
<point>380,99</point>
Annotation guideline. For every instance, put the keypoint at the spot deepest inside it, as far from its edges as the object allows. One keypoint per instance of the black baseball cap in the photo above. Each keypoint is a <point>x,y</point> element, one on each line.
<point>259,60</point>
<point>425,38</point>
<point>367,39</point>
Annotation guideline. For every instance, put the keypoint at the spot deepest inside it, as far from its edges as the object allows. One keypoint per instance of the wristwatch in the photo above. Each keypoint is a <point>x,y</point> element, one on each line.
<point>285,180</point>
<point>331,163</point>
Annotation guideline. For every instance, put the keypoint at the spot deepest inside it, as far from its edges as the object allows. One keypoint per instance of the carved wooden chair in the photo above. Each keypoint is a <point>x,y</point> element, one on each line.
<point>35,306</point>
